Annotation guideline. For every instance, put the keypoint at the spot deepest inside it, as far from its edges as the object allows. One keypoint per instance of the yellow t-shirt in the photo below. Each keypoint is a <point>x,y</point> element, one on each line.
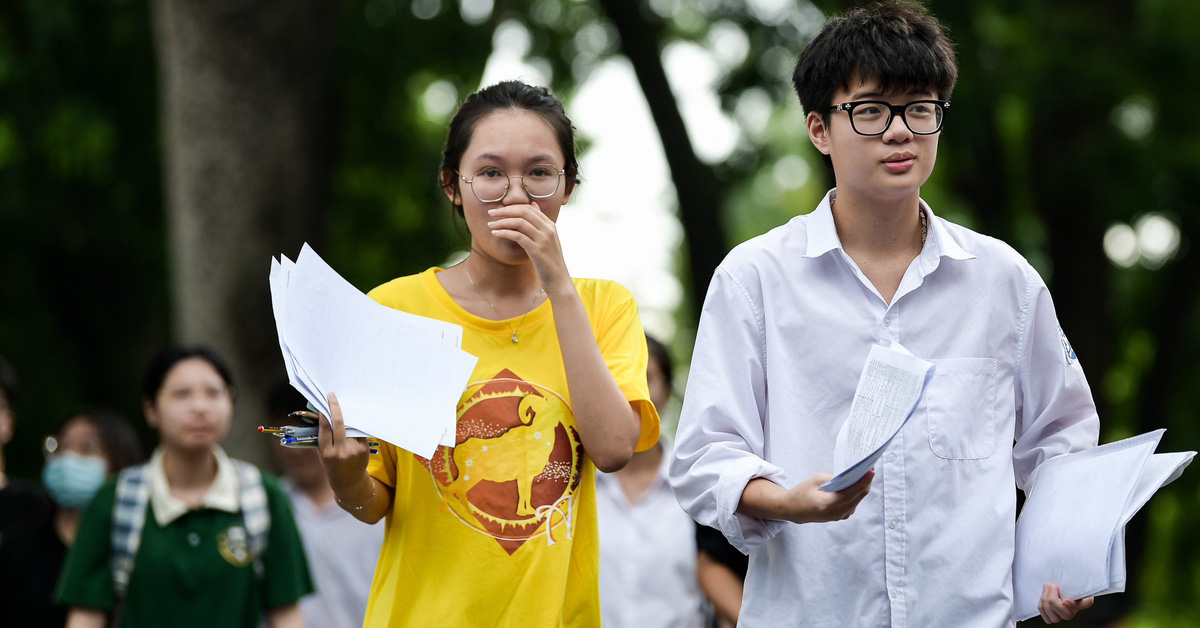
<point>501,530</point>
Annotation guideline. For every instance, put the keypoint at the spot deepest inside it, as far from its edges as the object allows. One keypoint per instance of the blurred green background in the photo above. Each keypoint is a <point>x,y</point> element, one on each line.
<point>154,154</point>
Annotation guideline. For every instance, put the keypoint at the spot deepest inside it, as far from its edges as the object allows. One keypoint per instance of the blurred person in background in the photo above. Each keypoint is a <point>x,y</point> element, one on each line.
<point>19,500</point>
<point>721,569</point>
<point>86,450</point>
<point>648,552</point>
<point>191,538</point>
<point>342,551</point>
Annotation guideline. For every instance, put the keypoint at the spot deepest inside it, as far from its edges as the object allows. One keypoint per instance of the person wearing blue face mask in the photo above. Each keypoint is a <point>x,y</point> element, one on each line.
<point>85,451</point>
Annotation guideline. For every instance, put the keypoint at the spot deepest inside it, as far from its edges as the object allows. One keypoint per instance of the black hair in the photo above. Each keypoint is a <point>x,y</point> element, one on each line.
<point>283,399</point>
<point>660,354</point>
<point>8,382</point>
<point>514,96</point>
<point>899,44</point>
<point>119,438</point>
<point>165,360</point>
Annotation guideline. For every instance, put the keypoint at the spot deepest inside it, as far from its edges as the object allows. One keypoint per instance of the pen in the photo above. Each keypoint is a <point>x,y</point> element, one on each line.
<point>291,430</point>
<point>308,442</point>
<point>305,415</point>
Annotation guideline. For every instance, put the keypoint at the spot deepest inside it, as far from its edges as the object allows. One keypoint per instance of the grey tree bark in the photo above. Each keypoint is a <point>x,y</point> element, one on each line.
<point>696,185</point>
<point>246,112</point>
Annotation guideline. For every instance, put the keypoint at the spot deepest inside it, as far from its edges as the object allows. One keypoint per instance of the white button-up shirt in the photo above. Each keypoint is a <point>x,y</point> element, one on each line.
<point>785,331</point>
<point>647,557</point>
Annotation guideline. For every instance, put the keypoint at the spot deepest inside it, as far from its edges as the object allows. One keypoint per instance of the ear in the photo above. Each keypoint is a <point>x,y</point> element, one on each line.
<point>570,187</point>
<point>151,414</point>
<point>450,187</point>
<point>818,131</point>
<point>6,427</point>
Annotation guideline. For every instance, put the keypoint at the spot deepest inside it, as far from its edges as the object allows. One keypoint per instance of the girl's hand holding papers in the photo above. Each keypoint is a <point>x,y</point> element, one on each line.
<point>345,461</point>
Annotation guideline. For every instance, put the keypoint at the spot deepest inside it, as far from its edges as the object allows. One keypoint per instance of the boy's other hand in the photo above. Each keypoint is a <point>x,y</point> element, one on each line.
<point>1055,609</point>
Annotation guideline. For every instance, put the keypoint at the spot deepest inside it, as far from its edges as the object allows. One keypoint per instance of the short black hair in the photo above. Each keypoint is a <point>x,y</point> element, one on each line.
<point>8,382</point>
<point>165,360</point>
<point>899,44</point>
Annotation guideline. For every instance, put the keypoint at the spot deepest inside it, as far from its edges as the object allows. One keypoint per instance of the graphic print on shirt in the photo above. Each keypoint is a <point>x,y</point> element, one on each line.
<point>516,464</point>
<point>234,545</point>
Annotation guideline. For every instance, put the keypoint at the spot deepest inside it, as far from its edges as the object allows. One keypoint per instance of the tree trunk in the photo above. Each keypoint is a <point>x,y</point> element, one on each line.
<point>696,185</point>
<point>246,114</point>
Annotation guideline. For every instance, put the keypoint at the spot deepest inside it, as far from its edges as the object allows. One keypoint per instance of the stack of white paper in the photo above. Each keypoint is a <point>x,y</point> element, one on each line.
<point>398,377</point>
<point>889,389</point>
<point>1071,531</point>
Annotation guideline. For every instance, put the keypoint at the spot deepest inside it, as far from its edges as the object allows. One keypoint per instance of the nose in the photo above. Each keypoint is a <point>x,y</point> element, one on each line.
<point>897,129</point>
<point>517,195</point>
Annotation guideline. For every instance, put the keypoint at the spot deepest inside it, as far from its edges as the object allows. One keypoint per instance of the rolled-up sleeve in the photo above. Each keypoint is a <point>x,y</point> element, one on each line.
<point>1055,410</point>
<point>720,440</point>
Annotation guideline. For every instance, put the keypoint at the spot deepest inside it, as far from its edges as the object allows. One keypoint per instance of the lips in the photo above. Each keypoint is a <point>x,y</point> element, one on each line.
<point>900,162</point>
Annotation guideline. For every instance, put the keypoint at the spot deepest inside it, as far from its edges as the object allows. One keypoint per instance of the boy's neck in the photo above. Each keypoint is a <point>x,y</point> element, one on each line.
<point>879,226</point>
<point>882,236</point>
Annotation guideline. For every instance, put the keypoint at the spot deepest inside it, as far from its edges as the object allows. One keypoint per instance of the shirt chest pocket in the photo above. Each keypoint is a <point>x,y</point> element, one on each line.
<point>960,405</point>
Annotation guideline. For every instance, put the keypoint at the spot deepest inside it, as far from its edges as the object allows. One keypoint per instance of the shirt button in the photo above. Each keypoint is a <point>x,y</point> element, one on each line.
<point>887,320</point>
<point>893,524</point>
<point>891,457</point>
<point>892,593</point>
<point>194,539</point>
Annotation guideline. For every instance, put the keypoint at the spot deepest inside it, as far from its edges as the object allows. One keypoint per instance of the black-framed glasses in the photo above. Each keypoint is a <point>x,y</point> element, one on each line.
<point>873,117</point>
<point>491,184</point>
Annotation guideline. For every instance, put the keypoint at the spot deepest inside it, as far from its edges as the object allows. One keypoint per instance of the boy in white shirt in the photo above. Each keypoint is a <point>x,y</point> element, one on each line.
<point>786,327</point>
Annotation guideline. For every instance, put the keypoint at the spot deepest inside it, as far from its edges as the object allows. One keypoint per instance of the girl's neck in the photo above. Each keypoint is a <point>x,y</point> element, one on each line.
<point>189,469</point>
<point>318,491</point>
<point>498,279</point>
<point>638,476</point>
<point>66,525</point>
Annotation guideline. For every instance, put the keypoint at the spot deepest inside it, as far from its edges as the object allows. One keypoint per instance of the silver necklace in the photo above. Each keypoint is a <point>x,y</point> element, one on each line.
<point>493,306</point>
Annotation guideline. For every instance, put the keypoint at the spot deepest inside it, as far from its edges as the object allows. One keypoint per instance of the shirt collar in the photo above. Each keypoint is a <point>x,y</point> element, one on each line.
<point>943,243</point>
<point>823,237</point>
<point>222,495</point>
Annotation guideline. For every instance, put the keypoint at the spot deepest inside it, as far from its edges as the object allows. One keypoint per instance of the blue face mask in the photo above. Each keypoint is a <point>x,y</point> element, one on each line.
<point>72,480</point>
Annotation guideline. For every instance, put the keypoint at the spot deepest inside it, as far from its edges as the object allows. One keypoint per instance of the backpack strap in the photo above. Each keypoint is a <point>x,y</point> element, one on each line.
<point>129,517</point>
<point>256,513</point>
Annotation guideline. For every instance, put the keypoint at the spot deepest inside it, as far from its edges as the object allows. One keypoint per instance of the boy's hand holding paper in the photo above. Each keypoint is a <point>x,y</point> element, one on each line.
<point>889,389</point>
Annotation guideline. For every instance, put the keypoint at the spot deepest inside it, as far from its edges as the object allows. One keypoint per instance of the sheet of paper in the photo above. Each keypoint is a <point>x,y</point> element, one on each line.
<point>1071,531</point>
<point>280,272</point>
<point>398,377</point>
<point>889,389</point>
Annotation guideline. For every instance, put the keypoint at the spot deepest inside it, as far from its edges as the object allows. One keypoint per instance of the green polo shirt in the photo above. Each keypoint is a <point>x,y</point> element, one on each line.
<point>192,572</point>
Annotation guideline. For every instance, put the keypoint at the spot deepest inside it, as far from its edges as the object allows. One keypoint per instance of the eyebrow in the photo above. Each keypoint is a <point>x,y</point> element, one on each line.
<point>876,95</point>
<point>536,159</point>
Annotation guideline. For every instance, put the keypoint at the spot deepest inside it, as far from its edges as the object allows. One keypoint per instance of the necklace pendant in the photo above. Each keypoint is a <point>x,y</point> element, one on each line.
<point>514,337</point>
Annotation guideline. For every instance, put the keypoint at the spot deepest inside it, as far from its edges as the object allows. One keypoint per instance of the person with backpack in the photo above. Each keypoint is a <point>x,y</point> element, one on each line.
<point>192,537</point>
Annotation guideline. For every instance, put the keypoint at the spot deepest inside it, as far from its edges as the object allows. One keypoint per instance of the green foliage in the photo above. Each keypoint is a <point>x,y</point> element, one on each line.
<point>82,262</point>
<point>399,79</point>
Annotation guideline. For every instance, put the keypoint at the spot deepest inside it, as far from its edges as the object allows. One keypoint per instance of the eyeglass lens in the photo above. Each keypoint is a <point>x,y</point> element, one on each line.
<point>872,118</point>
<point>491,184</point>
